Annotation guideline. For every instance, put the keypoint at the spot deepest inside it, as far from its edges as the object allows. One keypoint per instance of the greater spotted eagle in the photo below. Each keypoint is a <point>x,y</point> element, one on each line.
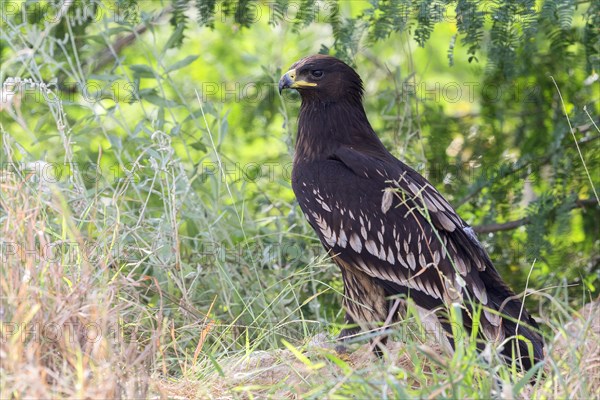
<point>388,229</point>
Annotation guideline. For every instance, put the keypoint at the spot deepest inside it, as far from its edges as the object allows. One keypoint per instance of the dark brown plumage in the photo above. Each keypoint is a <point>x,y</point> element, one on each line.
<point>387,228</point>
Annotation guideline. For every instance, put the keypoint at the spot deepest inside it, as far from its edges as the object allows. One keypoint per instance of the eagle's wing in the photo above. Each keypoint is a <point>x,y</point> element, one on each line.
<point>466,253</point>
<point>439,212</point>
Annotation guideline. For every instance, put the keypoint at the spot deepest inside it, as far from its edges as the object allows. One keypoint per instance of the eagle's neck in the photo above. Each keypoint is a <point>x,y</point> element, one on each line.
<point>324,127</point>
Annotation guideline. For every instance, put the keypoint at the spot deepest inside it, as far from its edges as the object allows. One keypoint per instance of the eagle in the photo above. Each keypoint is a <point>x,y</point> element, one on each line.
<point>391,233</point>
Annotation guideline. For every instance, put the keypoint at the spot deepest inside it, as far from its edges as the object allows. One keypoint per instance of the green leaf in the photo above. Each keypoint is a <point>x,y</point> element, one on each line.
<point>105,77</point>
<point>174,39</point>
<point>182,63</point>
<point>160,101</point>
<point>199,146</point>
<point>142,71</point>
<point>146,92</point>
<point>193,115</point>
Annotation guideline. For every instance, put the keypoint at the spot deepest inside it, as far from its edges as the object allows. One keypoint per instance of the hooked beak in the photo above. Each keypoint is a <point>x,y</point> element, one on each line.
<point>288,81</point>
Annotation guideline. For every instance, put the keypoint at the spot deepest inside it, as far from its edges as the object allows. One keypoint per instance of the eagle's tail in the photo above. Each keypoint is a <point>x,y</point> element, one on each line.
<point>516,329</point>
<point>524,344</point>
<point>509,324</point>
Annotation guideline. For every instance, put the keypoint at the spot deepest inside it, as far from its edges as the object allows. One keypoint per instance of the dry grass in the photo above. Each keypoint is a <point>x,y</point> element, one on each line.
<point>64,332</point>
<point>575,356</point>
<point>572,368</point>
<point>283,374</point>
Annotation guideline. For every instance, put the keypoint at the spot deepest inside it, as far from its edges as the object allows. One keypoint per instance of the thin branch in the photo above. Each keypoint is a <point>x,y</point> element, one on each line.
<point>110,53</point>
<point>506,226</point>
<point>510,225</point>
<point>107,55</point>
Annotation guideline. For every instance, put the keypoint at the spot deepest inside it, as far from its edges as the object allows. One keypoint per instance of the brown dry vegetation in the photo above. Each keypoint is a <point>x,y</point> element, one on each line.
<point>61,315</point>
<point>572,368</point>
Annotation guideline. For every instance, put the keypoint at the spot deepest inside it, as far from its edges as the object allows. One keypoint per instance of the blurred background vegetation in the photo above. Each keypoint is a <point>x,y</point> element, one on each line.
<point>158,127</point>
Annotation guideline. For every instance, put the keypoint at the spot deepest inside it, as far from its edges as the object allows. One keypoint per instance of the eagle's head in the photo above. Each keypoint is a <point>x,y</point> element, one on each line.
<point>323,78</point>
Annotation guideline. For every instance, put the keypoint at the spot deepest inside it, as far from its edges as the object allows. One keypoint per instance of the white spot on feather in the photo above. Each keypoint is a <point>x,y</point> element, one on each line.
<point>429,204</point>
<point>436,257</point>
<point>410,258</point>
<point>386,272</point>
<point>446,223</point>
<point>480,264</point>
<point>363,232</point>
<point>328,234</point>
<point>355,243</point>
<point>382,253</point>
<point>480,294</point>
<point>414,189</point>
<point>422,261</point>
<point>492,333</point>
<point>386,200</point>
<point>390,256</point>
<point>333,239</point>
<point>460,265</point>
<point>342,239</point>
<point>401,261</point>
<point>371,247</point>
<point>439,203</point>
<point>422,283</point>
<point>436,290</point>
<point>362,264</point>
<point>493,318</point>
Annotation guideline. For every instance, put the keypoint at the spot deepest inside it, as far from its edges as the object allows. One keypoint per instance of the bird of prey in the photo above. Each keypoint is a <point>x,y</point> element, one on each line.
<point>387,228</point>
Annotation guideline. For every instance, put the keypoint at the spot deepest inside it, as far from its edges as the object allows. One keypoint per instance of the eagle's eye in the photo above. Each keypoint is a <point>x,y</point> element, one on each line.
<point>317,73</point>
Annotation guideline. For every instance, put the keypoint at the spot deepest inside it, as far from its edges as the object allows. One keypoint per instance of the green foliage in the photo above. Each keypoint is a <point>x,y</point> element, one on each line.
<point>470,27</point>
<point>513,29</point>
